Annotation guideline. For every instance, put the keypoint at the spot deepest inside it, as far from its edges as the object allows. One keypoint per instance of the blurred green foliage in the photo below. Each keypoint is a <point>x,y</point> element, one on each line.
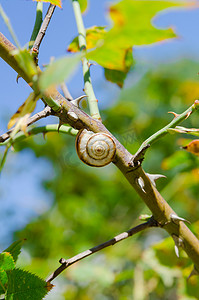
<point>92,205</point>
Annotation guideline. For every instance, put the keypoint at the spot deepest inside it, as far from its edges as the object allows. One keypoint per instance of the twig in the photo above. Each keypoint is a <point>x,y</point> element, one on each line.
<point>38,22</point>
<point>41,129</point>
<point>118,238</point>
<point>42,114</point>
<point>177,119</point>
<point>66,92</point>
<point>88,88</point>
<point>44,27</point>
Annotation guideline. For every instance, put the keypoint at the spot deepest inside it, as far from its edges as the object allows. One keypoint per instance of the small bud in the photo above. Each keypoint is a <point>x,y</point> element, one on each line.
<point>145,217</point>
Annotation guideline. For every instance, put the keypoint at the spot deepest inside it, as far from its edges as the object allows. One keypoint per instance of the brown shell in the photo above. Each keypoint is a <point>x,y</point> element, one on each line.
<point>95,149</point>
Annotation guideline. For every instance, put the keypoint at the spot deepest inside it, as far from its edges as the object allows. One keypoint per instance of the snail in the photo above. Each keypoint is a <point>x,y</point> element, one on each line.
<point>95,149</point>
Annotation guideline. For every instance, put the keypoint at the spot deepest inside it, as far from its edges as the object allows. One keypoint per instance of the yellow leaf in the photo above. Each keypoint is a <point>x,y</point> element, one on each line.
<point>193,147</point>
<point>25,109</point>
<point>54,2</point>
<point>93,36</point>
<point>132,26</point>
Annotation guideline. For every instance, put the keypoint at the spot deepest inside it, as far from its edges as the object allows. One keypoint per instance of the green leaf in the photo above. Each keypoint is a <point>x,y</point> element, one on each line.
<point>132,26</point>
<point>178,158</point>
<point>94,35</point>
<point>58,71</point>
<point>15,249</point>
<point>83,5</point>
<point>25,285</point>
<point>116,76</point>
<point>6,263</point>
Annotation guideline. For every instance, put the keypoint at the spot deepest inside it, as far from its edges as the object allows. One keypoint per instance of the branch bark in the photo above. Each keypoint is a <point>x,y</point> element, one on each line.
<point>159,207</point>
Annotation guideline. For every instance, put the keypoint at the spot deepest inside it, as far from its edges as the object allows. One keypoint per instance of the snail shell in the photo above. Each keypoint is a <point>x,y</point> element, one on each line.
<point>95,149</point>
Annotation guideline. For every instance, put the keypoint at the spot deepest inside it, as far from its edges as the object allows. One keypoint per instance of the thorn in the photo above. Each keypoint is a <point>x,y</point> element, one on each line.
<point>77,100</point>
<point>154,177</point>
<point>17,79</point>
<point>72,116</point>
<point>178,243</point>
<point>140,182</point>
<point>175,219</point>
<point>193,272</point>
<point>60,124</point>
<point>177,251</point>
<point>91,64</point>
<point>175,115</point>
<point>188,114</point>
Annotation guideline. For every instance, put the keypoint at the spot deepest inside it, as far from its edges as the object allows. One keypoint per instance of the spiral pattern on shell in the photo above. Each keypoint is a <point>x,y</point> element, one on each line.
<point>95,149</point>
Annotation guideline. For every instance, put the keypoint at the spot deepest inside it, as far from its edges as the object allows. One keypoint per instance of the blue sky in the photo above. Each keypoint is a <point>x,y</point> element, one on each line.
<point>21,196</point>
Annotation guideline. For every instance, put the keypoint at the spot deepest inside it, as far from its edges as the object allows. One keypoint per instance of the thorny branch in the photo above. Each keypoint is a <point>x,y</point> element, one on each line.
<point>118,238</point>
<point>139,180</point>
<point>43,28</point>
<point>178,118</point>
<point>40,129</point>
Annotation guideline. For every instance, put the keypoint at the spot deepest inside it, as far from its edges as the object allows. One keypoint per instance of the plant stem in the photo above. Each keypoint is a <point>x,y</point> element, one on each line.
<point>7,22</point>
<point>38,22</point>
<point>177,119</point>
<point>2,163</point>
<point>113,241</point>
<point>42,129</point>
<point>88,88</point>
<point>44,27</point>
